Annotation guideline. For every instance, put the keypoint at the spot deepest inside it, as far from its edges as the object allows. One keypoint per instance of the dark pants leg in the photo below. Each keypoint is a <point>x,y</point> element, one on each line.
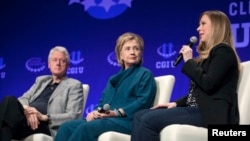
<point>147,124</point>
<point>24,130</point>
<point>11,114</point>
<point>13,122</point>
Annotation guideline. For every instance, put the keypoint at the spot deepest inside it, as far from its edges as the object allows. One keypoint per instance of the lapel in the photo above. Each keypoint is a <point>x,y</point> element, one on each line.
<point>40,88</point>
<point>59,90</point>
<point>118,79</point>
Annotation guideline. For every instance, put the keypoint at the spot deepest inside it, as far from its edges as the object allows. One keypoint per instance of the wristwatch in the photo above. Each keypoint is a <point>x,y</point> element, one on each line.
<point>48,115</point>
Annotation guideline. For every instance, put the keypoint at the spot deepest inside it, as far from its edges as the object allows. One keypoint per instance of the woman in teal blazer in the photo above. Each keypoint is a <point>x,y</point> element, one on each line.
<point>132,89</point>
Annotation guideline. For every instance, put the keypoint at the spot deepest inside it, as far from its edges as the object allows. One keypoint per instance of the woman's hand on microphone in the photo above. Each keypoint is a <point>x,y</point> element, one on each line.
<point>96,115</point>
<point>93,115</point>
<point>109,113</point>
<point>186,52</point>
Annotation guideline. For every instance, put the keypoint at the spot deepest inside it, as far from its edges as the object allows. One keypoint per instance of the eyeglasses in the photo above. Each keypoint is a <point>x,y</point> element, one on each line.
<point>61,61</point>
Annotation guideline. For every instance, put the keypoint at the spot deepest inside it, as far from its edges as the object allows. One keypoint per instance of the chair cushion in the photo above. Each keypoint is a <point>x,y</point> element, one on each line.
<point>180,132</point>
<point>38,137</point>
<point>113,136</point>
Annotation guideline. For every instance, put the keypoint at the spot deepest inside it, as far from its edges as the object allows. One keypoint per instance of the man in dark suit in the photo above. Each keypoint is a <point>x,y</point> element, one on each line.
<point>51,100</point>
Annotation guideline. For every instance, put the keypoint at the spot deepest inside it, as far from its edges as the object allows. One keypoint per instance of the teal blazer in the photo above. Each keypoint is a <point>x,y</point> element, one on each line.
<point>132,90</point>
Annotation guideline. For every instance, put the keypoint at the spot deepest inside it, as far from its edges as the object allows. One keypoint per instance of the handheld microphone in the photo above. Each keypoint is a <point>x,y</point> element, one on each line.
<point>104,109</point>
<point>191,42</point>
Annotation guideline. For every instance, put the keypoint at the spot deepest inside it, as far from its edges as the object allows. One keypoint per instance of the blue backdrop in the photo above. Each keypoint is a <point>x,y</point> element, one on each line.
<point>89,29</point>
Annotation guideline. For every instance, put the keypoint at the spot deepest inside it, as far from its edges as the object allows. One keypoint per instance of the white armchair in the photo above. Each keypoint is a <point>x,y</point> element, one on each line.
<point>175,132</point>
<point>43,137</point>
<point>165,86</point>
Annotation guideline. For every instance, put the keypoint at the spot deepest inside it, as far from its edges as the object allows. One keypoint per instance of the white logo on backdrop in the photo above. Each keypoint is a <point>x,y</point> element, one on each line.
<point>76,59</point>
<point>35,65</point>
<point>165,51</point>
<point>103,9</point>
<point>241,30</point>
<point>2,66</point>
<point>112,59</point>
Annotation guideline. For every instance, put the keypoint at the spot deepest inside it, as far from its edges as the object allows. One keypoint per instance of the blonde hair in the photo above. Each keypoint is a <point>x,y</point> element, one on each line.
<point>122,39</point>
<point>220,32</point>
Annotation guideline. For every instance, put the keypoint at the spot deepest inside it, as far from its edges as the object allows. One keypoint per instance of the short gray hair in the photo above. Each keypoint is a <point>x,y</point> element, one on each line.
<point>60,49</point>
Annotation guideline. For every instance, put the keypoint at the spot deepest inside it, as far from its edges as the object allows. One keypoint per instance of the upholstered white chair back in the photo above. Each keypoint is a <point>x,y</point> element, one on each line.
<point>85,95</point>
<point>244,93</point>
<point>43,137</point>
<point>165,85</point>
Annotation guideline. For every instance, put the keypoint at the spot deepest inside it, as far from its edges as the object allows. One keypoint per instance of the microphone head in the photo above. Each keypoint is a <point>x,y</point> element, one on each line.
<point>193,39</point>
<point>106,107</point>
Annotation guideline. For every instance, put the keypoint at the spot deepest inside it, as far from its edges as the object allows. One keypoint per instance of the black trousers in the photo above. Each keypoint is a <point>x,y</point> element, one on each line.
<point>13,123</point>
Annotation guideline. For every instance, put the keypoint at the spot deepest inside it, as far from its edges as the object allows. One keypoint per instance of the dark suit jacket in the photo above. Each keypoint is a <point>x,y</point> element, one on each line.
<point>216,80</point>
<point>65,103</point>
